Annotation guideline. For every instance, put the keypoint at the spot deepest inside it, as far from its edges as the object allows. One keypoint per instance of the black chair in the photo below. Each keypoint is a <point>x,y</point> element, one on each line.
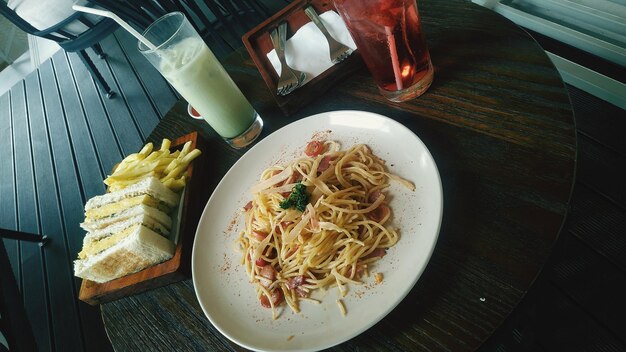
<point>14,325</point>
<point>220,22</point>
<point>70,42</point>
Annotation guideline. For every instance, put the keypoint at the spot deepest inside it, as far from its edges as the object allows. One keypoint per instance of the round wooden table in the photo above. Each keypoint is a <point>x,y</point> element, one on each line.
<point>499,125</point>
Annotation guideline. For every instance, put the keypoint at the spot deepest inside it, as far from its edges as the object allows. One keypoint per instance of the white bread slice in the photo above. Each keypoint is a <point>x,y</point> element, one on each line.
<point>116,227</point>
<point>139,250</point>
<point>151,186</point>
<point>126,214</point>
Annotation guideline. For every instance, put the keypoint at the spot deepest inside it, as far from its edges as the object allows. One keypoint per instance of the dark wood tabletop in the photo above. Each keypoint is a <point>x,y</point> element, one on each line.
<point>499,125</point>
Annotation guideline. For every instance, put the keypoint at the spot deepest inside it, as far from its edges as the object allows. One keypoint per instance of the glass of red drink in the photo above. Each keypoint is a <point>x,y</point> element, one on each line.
<point>389,36</point>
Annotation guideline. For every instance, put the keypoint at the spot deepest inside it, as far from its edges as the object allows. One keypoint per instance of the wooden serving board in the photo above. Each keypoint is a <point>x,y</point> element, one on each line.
<point>179,266</point>
<point>258,43</point>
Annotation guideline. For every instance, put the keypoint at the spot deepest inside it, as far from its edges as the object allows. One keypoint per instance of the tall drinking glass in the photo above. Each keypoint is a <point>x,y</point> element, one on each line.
<point>183,58</point>
<point>389,37</point>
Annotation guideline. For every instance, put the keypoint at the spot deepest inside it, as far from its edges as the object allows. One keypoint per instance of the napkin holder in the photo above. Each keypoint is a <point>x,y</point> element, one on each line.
<point>257,42</point>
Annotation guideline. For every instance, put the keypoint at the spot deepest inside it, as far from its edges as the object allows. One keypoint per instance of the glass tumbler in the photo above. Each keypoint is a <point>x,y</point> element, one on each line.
<point>389,37</point>
<point>188,64</point>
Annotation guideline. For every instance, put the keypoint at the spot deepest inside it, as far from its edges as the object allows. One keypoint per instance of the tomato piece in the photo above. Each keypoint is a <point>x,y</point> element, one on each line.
<point>277,298</point>
<point>314,148</point>
<point>265,302</point>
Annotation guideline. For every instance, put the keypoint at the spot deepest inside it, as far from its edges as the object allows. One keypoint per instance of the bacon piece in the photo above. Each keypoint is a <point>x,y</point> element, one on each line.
<point>268,272</point>
<point>292,251</point>
<point>377,252</point>
<point>301,292</point>
<point>265,282</point>
<point>294,178</point>
<point>283,226</point>
<point>248,206</point>
<point>315,224</point>
<point>270,252</point>
<point>277,298</point>
<point>359,271</point>
<point>324,163</point>
<point>259,235</point>
<point>295,281</point>
<point>260,262</point>
<point>373,196</point>
<point>379,214</point>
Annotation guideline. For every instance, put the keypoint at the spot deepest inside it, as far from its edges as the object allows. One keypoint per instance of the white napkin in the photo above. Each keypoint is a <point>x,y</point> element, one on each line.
<point>307,51</point>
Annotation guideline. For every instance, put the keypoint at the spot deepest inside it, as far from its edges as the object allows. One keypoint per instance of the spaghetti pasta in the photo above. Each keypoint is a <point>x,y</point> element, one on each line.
<point>315,223</point>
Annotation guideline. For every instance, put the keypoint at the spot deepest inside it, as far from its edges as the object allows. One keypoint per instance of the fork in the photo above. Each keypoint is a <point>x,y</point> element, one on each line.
<point>290,79</point>
<point>338,51</point>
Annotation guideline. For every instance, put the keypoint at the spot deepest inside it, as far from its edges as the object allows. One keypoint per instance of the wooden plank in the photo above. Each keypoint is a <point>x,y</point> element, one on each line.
<point>58,275</point>
<point>561,325</point>
<point>597,170</point>
<point>99,124</point>
<point>599,120</point>
<point>600,224</point>
<point>592,282</point>
<point>550,319</point>
<point>8,211</point>
<point>86,158</point>
<point>143,113</point>
<point>124,128</point>
<point>70,134</point>
<point>34,288</point>
<point>63,156</point>
<point>90,173</point>
<point>160,93</point>
<point>14,327</point>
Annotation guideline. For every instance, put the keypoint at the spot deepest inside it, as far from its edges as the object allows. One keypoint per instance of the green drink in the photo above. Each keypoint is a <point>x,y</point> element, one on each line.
<point>193,70</point>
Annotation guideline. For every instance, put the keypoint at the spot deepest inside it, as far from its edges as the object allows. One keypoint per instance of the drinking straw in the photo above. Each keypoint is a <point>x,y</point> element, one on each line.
<point>119,21</point>
<point>395,63</point>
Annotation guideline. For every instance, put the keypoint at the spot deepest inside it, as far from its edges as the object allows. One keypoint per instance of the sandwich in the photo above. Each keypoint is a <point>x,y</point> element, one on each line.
<point>98,222</point>
<point>150,192</point>
<point>100,239</point>
<point>139,249</point>
<point>127,231</point>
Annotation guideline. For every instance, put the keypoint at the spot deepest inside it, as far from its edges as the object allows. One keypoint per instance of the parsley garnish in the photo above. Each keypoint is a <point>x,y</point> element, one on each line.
<point>297,199</point>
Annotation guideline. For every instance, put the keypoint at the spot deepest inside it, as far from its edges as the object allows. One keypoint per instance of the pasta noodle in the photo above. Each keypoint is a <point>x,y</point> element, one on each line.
<point>316,223</point>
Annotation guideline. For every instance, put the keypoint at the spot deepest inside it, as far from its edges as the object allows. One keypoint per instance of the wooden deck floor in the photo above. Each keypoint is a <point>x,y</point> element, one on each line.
<point>59,137</point>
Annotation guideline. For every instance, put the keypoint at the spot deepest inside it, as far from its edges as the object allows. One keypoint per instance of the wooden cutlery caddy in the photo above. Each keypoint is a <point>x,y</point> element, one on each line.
<point>257,42</point>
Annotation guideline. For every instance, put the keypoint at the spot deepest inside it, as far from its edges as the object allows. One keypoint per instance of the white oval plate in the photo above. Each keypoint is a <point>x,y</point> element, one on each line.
<point>221,284</point>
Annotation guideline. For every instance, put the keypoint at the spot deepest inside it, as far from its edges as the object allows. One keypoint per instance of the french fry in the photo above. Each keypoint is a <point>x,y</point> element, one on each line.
<point>147,149</point>
<point>177,185</point>
<point>192,155</point>
<point>174,174</point>
<point>169,167</point>
<point>165,145</point>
